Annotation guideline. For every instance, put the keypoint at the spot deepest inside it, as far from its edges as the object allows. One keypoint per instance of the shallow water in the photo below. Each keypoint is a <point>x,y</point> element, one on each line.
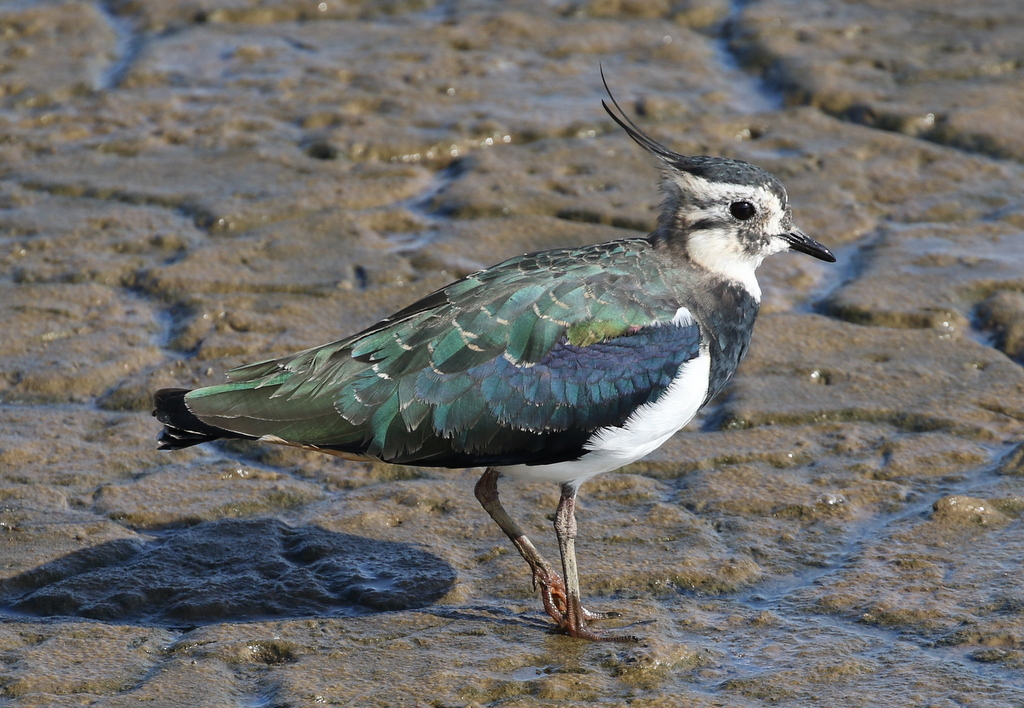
<point>185,188</point>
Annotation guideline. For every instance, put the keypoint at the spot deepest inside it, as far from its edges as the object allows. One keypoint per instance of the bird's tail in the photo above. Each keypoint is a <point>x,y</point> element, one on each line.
<point>181,427</point>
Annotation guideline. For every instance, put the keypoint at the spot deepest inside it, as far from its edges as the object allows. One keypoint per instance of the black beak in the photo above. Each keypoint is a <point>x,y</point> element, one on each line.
<point>799,241</point>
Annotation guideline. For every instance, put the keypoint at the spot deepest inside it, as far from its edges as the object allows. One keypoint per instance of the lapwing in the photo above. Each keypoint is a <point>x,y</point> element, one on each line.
<point>553,366</point>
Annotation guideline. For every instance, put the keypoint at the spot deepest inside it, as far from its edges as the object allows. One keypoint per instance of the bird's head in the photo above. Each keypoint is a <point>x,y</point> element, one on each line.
<point>726,214</point>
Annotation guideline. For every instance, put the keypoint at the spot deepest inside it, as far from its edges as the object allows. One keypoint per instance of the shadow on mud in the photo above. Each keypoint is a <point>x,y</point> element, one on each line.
<point>229,571</point>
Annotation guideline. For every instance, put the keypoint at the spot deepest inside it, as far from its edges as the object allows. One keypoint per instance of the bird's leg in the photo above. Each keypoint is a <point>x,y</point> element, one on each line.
<point>552,589</point>
<point>575,619</point>
<point>565,530</point>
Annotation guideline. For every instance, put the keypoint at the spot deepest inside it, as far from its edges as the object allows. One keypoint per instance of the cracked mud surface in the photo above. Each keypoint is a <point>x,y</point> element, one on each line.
<point>189,186</point>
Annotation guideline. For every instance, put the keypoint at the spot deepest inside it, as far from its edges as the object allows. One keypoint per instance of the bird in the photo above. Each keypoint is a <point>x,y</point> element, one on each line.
<point>552,366</point>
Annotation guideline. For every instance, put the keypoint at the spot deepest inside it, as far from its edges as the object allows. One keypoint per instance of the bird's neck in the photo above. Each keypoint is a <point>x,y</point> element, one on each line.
<point>728,311</point>
<point>715,254</point>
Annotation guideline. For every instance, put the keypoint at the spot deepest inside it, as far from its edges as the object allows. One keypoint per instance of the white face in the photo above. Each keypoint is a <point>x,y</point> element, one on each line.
<point>720,241</point>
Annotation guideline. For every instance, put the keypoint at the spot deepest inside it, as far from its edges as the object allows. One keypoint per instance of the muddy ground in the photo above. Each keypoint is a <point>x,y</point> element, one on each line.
<point>190,185</point>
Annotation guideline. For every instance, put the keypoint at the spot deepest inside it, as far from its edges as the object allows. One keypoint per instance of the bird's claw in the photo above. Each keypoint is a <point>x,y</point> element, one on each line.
<point>556,603</point>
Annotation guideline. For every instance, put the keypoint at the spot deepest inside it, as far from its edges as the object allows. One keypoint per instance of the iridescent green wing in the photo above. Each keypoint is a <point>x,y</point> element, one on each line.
<point>430,384</point>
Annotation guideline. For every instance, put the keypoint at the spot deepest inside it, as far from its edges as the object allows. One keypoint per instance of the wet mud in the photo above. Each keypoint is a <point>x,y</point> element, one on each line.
<point>189,186</point>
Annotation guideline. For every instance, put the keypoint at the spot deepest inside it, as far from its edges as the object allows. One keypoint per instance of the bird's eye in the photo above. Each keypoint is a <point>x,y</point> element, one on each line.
<point>742,210</point>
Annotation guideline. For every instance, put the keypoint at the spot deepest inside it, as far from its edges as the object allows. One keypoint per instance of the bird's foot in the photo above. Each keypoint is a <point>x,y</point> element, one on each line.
<point>555,598</point>
<point>580,630</point>
<point>556,603</point>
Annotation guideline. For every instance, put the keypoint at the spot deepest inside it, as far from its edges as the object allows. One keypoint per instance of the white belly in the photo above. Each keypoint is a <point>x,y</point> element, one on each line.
<point>644,431</point>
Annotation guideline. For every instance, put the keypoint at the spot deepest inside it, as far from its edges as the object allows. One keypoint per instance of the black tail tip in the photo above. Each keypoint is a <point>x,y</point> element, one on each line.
<point>181,428</point>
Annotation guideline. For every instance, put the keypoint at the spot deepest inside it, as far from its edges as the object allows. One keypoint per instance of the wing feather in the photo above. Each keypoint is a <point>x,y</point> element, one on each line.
<point>517,363</point>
